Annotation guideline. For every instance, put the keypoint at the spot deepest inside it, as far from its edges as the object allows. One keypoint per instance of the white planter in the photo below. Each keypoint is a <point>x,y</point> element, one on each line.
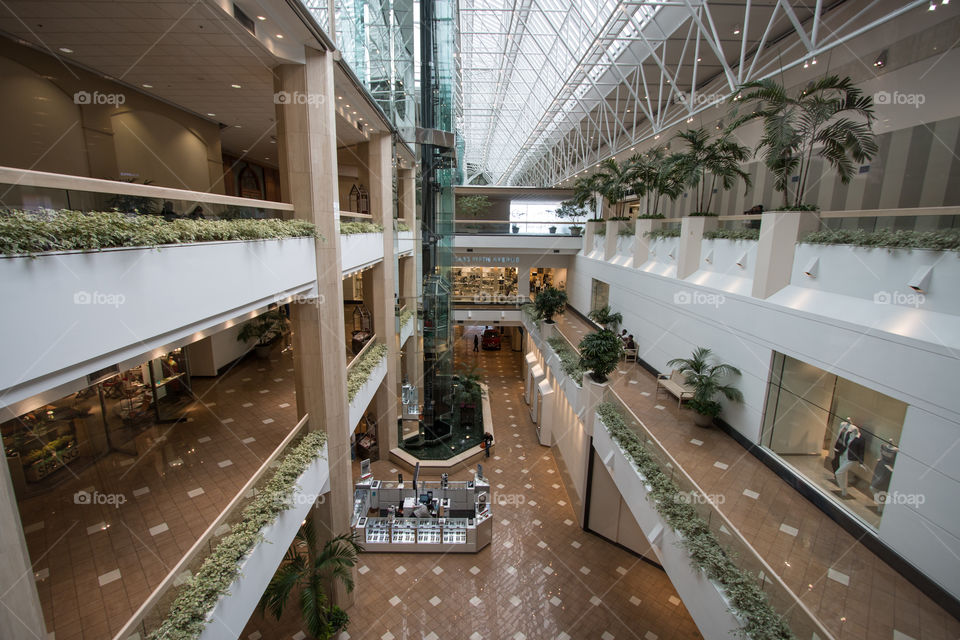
<point>365,395</point>
<point>407,329</point>
<point>258,568</point>
<point>93,309</point>
<point>359,250</point>
<point>404,242</point>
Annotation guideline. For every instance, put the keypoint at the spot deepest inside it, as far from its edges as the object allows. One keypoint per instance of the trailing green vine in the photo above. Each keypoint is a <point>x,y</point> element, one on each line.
<point>188,613</point>
<point>569,359</point>
<point>601,230</point>
<point>940,240</point>
<point>24,233</point>
<point>663,233</point>
<point>406,315</point>
<point>350,228</point>
<point>402,226</point>
<point>360,372</point>
<point>747,600</point>
<point>627,231</point>
<point>732,234</point>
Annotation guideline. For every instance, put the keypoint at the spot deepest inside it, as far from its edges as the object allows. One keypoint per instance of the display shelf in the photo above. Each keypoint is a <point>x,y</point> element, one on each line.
<point>165,381</point>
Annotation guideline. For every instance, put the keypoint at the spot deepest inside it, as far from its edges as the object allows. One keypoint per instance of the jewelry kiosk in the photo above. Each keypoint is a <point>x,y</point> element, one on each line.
<point>423,517</point>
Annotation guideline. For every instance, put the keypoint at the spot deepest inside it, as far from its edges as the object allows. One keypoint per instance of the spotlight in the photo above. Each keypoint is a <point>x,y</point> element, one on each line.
<point>920,282</point>
<point>933,5</point>
<point>812,268</point>
<point>742,261</point>
<point>709,257</point>
<point>881,60</point>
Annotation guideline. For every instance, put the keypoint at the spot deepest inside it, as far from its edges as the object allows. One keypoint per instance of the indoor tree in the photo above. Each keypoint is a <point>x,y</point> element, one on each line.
<point>599,353</point>
<point>614,182</point>
<point>548,302</point>
<point>570,210</point>
<point>585,190</point>
<point>721,157</point>
<point>655,176</point>
<point>830,118</point>
<point>706,379</point>
<point>307,570</point>
<point>605,317</point>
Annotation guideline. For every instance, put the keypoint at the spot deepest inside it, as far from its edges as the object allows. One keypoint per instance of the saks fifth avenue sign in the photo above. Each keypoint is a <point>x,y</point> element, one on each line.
<point>486,260</point>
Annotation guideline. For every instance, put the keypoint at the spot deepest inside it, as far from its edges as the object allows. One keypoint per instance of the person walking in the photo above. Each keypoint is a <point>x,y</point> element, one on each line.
<point>487,442</point>
<point>476,342</point>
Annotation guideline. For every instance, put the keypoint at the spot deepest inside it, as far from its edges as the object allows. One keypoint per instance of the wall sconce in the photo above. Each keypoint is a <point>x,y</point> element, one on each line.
<point>671,254</point>
<point>608,460</point>
<point>709,257</point>
<point>469,315</point>
<point>656,534</point>
<point>742,261</point>
<point>812,268</point>
<point>503,314</point>
<point>920,282</point>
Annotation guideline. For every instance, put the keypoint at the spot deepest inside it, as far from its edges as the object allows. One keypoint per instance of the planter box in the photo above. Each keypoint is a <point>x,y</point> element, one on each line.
<point>258,568</point>
<point>106,307</point>
<point>365,395</point>
<point>407,330</point>
<point>359,250</point>
<point>404,242</point>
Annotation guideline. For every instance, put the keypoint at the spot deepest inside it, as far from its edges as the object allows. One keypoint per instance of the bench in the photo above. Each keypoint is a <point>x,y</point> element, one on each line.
<point>676,384</point>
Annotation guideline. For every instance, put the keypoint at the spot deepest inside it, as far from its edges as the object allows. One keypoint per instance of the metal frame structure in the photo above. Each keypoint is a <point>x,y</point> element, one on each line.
<point>551,87</point>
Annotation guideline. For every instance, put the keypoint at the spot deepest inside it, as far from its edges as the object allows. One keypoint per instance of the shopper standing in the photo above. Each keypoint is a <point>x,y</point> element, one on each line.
<point>488,442</point>
<point>476,342</point>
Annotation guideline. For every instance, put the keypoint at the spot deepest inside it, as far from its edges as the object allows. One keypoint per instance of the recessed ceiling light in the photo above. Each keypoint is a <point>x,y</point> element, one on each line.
<point>236,86</point>
<point>236,126</point>
<point>211,115</point>
<point>66,50</point>
<point>339,97</point>
<point>147,86</point>
<point>273,142</point>
<point>261,18</point>
<point>736,30</point>
<point>348,106</point>
<point>280,36</point>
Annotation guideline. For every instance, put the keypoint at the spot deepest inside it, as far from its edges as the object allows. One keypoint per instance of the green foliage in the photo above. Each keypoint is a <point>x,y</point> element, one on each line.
<point>706,380</point>
<point>473,206</point>
<point>28,233</point>
<point>569,359</point>
<point>799,207</point>
<point>703,214</point>
<point>265,328</point>
<point>605,317</point>
<point>402,226</point>
<point>663,233</point>
<point>601,230</point>
<point>50,450</point>
<point>747,599</point>
<point>627,231</point>
<point>360,372</point>
<point>599,353</point>
<point>406,315</point>
<point>187,617</point>
<point>470,378</point>
<point>530,310</point>
<point>550,301</point>
<point>655,175</point>
<point>830,118</point>
<point>614,182</point>
<point>942,240</point>
<point>721,159</point>
<point>651,216</point>
<point>732,234</point>
<point>570,210</point>
<point>350,228</point>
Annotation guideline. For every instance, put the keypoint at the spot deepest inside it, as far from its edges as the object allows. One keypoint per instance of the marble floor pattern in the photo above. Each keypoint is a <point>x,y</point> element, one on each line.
<point>542,577</point>
<point>95,564</point>
<point>855,594</point>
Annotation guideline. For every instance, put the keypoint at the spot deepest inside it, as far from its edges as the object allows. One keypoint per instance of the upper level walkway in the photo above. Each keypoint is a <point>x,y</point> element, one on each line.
<point>853,592</point>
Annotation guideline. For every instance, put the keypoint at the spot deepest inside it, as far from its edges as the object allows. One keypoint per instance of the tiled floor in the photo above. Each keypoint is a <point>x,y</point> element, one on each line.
<point>542,577</point>
<point>855,594</point>
<point>95,564</point>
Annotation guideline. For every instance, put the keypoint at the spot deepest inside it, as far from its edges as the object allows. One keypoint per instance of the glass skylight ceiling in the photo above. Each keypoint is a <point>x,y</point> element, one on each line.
<point>532,69</point>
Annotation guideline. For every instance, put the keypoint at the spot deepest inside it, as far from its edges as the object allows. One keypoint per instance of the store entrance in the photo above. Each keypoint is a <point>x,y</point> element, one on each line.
<point>543,277</point>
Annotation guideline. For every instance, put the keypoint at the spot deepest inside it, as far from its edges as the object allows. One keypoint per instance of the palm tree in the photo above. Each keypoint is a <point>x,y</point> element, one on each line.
<point>585,190</point>
<point>654,176</point>
<point>306,571</point>
<point>614,182</point>
<point>721,158</point>
<point>830,112</point>
<point>706,380</point>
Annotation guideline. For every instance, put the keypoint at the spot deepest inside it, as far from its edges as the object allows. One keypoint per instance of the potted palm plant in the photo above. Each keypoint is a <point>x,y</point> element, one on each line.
<point>706,379</point>
<point>599,353</point>
<point>829,113</point>
<point>265,329</point>
<point>605,317</point>
<point>549,302</point>
<point>306,570</point>
<point>655,176</point>
<point>721,158</point>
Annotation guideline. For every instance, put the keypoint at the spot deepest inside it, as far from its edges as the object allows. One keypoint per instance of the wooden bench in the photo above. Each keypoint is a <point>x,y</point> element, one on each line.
<point>676,384</point>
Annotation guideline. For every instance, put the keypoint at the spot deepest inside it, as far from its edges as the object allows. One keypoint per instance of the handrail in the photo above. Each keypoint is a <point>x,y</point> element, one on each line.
<point>544,222</point>
<point>130,628</point>
<point>892,213</point>
<point>30,178</point>
<point>372,341</point>
<point>353,214</point>
<point>768,571</point>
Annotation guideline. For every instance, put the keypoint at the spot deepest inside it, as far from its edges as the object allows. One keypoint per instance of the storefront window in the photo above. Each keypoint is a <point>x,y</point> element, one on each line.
<point>485,285</point>
<point>839,435</point>
<point>543,277</point>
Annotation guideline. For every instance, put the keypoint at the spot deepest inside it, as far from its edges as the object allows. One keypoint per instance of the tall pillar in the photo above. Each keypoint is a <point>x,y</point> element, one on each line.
<point>641,241</point>
<point>306,137</point>
<point>412,280</point>
<point>21,615</point>
<point>386,401</point>
<point>779,232</point>
<point>691,239</point>
<point>610,239</point>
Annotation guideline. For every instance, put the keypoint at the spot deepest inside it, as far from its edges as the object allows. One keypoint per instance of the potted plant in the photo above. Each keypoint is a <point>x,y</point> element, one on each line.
<point>614,181</point>
<point>605,317</point>
<point>308,570</point>
<point>829,112</point>
<point>265,329</point>
<point>548,302</point>
<point>515,228</point>
<point>655,175</point>
<point>599,353</point>
<point>570,210</point>
<point>553,229</point>
<point>721,158</point>
<point>706,380</point>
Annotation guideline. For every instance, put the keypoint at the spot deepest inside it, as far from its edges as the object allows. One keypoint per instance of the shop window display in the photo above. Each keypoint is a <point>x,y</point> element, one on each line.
<point>485,285</point>
<point>839,435</point>
<point>544,277</point>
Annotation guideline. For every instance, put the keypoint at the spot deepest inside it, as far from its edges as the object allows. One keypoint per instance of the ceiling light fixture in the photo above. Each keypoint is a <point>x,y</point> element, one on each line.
<point>280,36</point>
<point>211,115</point>
<point>236,86</point>
<point>736,30</point>
<point>66,50</point>
<point>147,86</point>
<point>881,60</point>
<point>261,18</point>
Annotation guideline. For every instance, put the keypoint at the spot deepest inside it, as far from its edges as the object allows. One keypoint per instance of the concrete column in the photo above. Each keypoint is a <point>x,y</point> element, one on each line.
<point>588,229</point>
<point>779,232</point>
<point>387,400</point>
<point>641,242</point>
<point>610,240</point>
<point>691,239</point>
<point>592,395</point>
<point>21,615</point>
<point>307,145</point>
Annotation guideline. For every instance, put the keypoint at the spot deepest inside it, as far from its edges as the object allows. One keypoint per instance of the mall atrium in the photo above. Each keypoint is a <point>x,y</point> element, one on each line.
<point>644,329</point>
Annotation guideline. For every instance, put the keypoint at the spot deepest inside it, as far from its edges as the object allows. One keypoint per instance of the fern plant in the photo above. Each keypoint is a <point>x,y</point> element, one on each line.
<point>548,302</point>
<point>706,379</point>
<point>605,317</point>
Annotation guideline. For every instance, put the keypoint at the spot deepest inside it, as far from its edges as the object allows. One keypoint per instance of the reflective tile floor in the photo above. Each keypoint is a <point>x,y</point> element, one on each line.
<point>854,593</point>
<point>542,577</point>
<point>95,564</point>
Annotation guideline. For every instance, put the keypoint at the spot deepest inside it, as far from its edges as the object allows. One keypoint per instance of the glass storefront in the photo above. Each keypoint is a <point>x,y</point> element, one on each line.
<point>839,435</point>
<point>543,277</point>
<point>485,285</point>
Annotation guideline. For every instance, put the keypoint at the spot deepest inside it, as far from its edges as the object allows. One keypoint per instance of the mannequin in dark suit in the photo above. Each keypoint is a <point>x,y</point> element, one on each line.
<point>850,448</point>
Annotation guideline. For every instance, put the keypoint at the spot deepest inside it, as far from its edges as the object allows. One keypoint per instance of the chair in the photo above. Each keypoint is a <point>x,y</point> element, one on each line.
<point>630,355</point>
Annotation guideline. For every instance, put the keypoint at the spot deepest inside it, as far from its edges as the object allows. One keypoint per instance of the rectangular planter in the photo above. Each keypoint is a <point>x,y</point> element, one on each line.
<point>404,242</point>
<point>365,395</point>
<point>359,250</point>
<point>407,330</point>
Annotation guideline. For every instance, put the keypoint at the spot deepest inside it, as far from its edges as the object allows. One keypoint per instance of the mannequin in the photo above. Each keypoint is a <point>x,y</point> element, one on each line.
<point>840,446</point>
<point>882,472</point>
<point>850,447</point>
